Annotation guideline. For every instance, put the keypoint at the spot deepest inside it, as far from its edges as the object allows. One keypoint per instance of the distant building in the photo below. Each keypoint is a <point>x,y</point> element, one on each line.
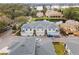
<point>52,13</point>
<point>39,14</point>
<point>40,28</point>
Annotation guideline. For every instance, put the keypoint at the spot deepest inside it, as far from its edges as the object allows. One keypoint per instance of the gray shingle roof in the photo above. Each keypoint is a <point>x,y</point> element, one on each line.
<point>40,24</point>
<point>52,26</point>
<point>27,26</point>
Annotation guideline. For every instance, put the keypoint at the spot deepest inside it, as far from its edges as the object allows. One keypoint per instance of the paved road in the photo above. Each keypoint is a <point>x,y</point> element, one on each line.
<point>6,39</point>
<point>44,47</point>
<point>73,44</point>
<point>24,46</point>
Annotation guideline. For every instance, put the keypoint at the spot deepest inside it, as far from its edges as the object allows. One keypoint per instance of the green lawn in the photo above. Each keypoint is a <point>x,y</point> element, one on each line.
<point>59,48</point>
<point>3,53</point>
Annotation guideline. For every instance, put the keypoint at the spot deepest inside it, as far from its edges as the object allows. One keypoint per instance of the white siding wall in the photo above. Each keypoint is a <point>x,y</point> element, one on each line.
<point>40,32</point>
<point>52,32</point>
<point>27,32</point>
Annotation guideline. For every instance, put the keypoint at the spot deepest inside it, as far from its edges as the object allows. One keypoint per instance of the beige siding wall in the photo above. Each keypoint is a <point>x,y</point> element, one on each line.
<point>40,32</point>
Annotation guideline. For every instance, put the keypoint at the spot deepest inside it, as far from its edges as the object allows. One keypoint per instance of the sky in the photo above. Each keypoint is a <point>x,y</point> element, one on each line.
<point>39,1</point>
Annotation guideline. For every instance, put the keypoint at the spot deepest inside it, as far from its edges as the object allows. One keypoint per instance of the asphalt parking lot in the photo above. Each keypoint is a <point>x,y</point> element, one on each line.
<point>43,45</point>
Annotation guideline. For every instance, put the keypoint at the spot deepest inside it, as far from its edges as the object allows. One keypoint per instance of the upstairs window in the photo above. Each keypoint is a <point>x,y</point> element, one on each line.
<point>49,29</point>
<point>30,29</point>
<point>26,29</point>
<point>23,30</point>
<point>40,29</point>
<point>57,30</point>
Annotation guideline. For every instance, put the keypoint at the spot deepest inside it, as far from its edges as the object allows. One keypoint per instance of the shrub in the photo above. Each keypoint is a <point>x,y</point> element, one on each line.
<point>14,27</point>
<point>46,18</point>
<point>3,26</point>
<point>18,33</point>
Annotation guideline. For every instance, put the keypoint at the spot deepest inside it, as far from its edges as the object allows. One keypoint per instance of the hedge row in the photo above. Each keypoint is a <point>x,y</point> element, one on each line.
<point>49,19</point>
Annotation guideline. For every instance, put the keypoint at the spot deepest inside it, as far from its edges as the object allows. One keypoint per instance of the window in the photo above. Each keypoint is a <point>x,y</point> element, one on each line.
<point>30,29</point>
<point>40,29</point>
<point>49,29</point>
<point>56,30</point>
<point>26,29</point>
<point>22,30</point>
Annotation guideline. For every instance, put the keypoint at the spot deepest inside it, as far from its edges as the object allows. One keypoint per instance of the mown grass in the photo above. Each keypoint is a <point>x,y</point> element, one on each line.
<point>59,48</point>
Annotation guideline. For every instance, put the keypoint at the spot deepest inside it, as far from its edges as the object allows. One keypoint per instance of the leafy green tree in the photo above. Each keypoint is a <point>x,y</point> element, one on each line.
<point>71,13</point>
<point>68,13</point>
<point>15,10</point>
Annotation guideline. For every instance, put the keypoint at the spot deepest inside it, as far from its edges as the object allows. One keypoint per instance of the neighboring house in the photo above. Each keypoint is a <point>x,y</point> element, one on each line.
<point>52,13</point>
<point>39,14</point>
<point>39,28</point>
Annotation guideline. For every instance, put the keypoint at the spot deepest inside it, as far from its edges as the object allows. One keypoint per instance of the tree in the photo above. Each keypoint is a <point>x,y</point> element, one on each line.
<point>44,10</point>
<point>71,13</point>
<point>15,10</point>
<point>3,25</point>
<point>21,19</point>
<point>33,12</point>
